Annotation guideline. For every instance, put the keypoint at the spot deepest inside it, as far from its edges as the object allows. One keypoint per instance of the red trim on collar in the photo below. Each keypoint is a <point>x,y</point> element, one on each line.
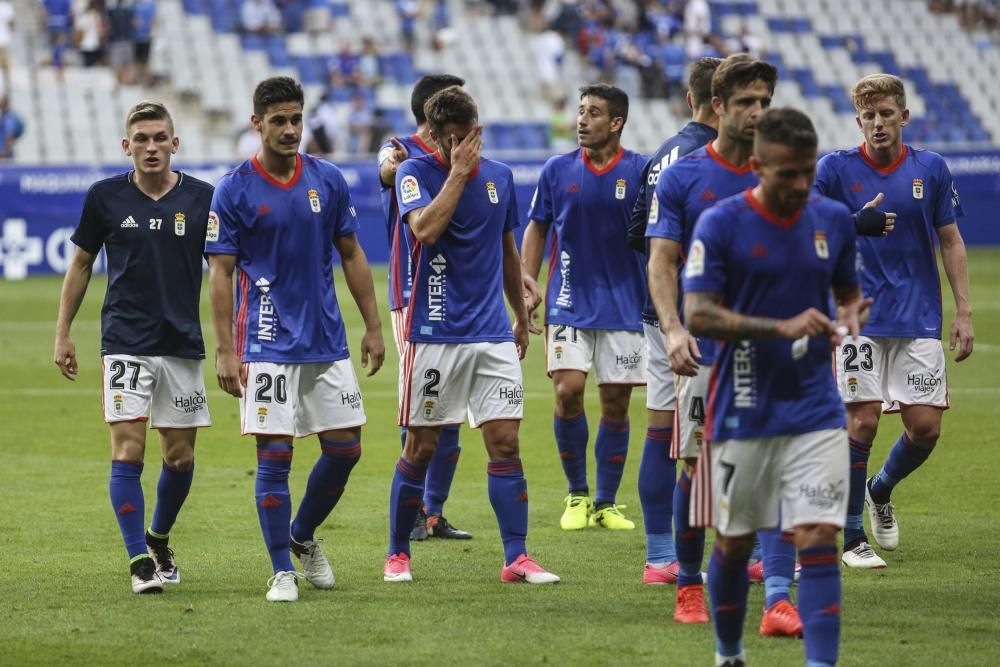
<point>723,162</point>
<point>608,167</point>
<point>447,167</point>
<point>885,171</point>
<point>272,180</point>
<point>418,141</point>
<point>784,223</point>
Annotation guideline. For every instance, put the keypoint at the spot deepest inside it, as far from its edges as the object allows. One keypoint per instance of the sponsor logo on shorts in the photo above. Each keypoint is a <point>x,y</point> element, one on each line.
<point>437,289</point>
<point>261,416</point>
<point>191,403</point>
<point>514,395</point>
<point>825,495</point>
<point>352,398</point>
<point>564,299</point>
<point>629,362</point>
<point>852,387</point>
<point>118,403</point>
<point>558,350</point>
<point>428,409</point>
<point>923,384</point>
<point>744,375</point>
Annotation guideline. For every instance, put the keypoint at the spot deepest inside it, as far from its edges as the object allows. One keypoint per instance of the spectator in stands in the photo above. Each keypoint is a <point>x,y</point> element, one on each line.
<point>59,19</point>
<point>345,68</point>
<point>89,29</point>
<point>697,27</point>
<point>441,33</point>
<point>121,39</point>
<point>323,126</point>
<point>318,19</point>
<point>549,50</point>
<point>248,142</point>
<point>745,42</point>
<point>11,129</point>
<point>359,125</point>
<point>369,63</point>
<point>260,17</point>
<point>408,10</point>
<point>145,20</point>
<point>562,126</point>
<point>380,130</point>
<point>6,33</point>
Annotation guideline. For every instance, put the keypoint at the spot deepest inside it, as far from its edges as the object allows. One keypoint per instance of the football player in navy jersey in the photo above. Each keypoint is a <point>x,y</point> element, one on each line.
<point>152,223</point>
<point>431,521</point>
<point>898,363</point>
<point>276,221</point>
<point>758,277</point>
<point>593,305</point>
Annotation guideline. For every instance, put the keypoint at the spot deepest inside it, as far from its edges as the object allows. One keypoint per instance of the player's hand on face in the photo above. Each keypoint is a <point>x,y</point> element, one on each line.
<point>963,335</point>
<point>230,373</point>
<point>532,299</point>
<point>465,153</point>
<point>372,351</point>
<point>521,338</point>
<point>65,358</point>
<point>810,322</point>
<point>682,351</point>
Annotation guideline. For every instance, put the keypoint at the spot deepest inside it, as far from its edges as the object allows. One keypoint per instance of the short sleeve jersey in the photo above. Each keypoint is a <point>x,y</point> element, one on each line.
<point>154,264</point>
<point>684,191</point>
<point>282,235</point>
<point>400,239</point>
<point>691,137</point>
<point>764,266</point>
<point>899,270</point>
<point>458,280</point>
<point>595,277</point>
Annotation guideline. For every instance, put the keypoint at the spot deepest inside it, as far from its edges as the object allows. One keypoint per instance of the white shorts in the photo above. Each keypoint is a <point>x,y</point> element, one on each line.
<point>398,318</point>
<point>660,394</point>
<point>442,383</point>
<point>895,371</point>
<point>689,417</point>
<point>300,399</point>
<point>748,481</point>
<point>618,356</point>
<point>170,391</point>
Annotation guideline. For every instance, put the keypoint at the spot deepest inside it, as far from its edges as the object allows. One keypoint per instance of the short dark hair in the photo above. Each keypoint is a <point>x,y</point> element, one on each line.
<point>788,127</point>
<point>276,90</point>
<point>147,110</point>
<point>451,105</point>
<point>700,74</point>
<point>616,98</point>
<point>739,70</point>
<point>425,88</point>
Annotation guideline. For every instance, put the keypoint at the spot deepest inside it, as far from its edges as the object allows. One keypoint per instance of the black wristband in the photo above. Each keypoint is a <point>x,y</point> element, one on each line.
<point>870,222</point>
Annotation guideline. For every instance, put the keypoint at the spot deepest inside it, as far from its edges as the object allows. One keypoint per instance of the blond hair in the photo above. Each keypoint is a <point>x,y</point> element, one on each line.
<point>147,110</point>
<point>875,87</point>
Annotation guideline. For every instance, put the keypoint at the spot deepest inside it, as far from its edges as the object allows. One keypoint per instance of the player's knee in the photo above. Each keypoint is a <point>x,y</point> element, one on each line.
<point>614,403</point>
<point>815,535</point>
<point>504,446</point>
<point>924,434</point>
<point>569,399</point>
<point>737,548</point>
<point>862,426</point>
<point>181,460</point>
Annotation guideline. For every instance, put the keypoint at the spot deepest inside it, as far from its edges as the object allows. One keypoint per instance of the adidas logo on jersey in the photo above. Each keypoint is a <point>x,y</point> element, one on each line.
<point>130,223</point>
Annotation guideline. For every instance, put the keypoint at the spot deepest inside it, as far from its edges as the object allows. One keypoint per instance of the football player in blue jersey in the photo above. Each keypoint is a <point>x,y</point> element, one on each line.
<point>593,305</point>
<point>758,277</point>
<point>152,223</point>
<point>431,521</point>
<point>276,221</point>
<point>898,362</point>
<point>462,354</point>
<point>657,469</point>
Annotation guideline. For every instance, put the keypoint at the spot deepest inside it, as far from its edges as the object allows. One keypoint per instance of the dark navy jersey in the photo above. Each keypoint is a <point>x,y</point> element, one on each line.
<point>761,265</point>
<point>691,137</point>
<point>900,270</point>
<point>400,238</point>
<point>154,253</point>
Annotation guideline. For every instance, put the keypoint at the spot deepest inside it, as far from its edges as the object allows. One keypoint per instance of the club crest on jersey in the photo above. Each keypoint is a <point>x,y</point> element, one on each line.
<point>180,224</point>
<point>491,191</point>
<point>620,188</point>
<point>212,232</point>
<point>822,249</point>
<point>261,416</point>
<point>409,189</point>
<point>695,265</point>
<point>314,200</point>
<point>918,188</point>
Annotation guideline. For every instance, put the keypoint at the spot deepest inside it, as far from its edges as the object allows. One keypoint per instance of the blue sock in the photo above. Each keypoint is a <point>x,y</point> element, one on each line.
<point>904,458</point>
<point>441,470</point>
<point>325,486</point>
<point>657,476</point>
<point>854,528</point>
<point>274,502</point>
<point>728,584</point>
<point>571,439</point>
<point>779,565</point>
<point>757,553</point>
<point>819,604</point>
<point>171,492</point>
<point>610,450</point>
<point>690,541</point>
<point>125,489</point>
<point>404,504</point>
<point>509,497</point>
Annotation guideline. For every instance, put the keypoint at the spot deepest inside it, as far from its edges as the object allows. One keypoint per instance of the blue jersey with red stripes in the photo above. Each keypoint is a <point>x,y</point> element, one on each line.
<point>458,280</point>
<point>282,235</point>
<point>762,265</point>
<point>400,239</point>
<point>596,279</point>
<point>684,191</point>
<point>692,136</point>
<point>899,270</point>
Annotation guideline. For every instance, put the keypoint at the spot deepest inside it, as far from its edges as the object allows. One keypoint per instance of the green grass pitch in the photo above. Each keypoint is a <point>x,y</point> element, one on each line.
<point>64,592</point>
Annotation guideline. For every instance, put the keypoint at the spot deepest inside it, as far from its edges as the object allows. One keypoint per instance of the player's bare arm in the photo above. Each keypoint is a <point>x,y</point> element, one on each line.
<point>81,267</point>
<point>956,267</point>
<point>359,280</point>
<point>705,316</point>
<point>513,288</point>
<point>682,348</point>
<point>388,167</point>
<point>852,310</point>
<point>228,370</point>
<point>429,222</point>
<point>532,248</point>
